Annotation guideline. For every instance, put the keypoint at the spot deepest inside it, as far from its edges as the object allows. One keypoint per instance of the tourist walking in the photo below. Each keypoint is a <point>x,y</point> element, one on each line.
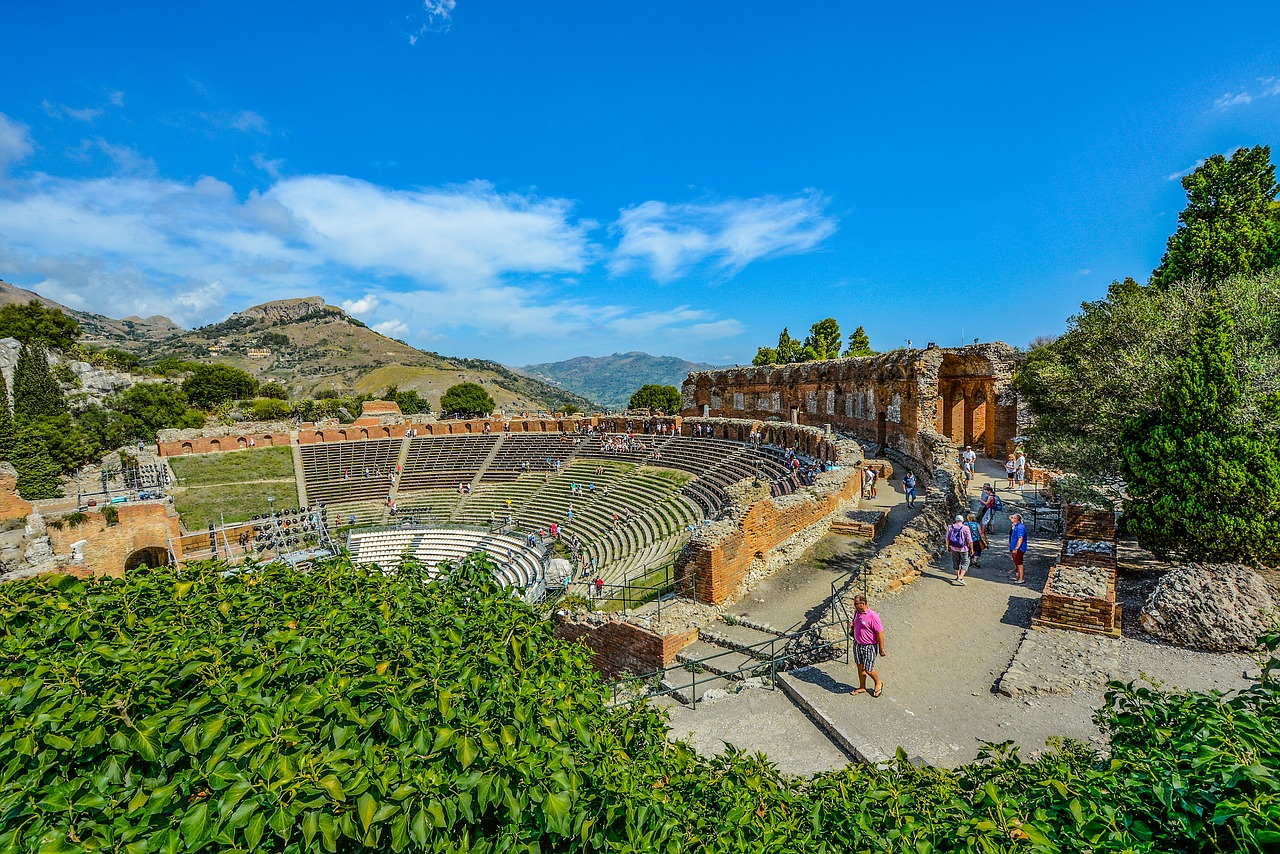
<point>979,540</point>
<point>909,487</point>
<point>868,642</point>
<point>1011,470</point>
<point>1018,547</point>
<point>960,545</point>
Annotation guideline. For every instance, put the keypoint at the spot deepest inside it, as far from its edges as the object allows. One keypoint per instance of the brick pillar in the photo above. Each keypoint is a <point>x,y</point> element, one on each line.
<point>989,429</point>
<point>968,417</point>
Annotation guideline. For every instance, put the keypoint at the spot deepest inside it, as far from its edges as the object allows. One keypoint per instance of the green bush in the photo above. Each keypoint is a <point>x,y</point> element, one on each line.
<point>347,710</point>
<point>268,409</point>
<point>111,515</point>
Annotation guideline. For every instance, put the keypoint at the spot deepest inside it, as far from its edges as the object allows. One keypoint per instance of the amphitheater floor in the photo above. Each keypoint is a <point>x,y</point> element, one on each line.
<point>948,647</point>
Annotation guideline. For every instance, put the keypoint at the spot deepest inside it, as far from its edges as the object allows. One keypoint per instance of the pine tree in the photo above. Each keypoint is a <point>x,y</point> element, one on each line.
<point>859,344</point>
<point>1202,485</point>
<point>6,421</point>
<point>37,473</point>
<point>36,393</point>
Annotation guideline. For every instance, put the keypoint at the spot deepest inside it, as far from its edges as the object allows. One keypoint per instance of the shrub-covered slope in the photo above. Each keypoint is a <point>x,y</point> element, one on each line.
<point>345,710</point>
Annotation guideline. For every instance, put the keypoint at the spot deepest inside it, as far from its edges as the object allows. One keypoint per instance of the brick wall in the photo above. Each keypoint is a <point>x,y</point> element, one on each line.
<point>720,568</point>
<point>1084,523</point>
<point>1082,614</point>
<point>620,647</point>
<point>964,393</point>
<point>12,505</point>
<point>141,526</point>
<point>216,444</point>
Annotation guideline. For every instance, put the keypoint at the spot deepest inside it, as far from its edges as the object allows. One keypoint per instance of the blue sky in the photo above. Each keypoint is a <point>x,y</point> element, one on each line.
<point>534,181</point>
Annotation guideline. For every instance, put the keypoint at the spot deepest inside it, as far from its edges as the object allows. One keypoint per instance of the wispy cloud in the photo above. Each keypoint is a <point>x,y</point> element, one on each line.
<point>62,111</point>
<point>673,239</point>
<point>438,18</point>
<point>15,142</point>
<point>1266,88</point>
<point>1178,176</point>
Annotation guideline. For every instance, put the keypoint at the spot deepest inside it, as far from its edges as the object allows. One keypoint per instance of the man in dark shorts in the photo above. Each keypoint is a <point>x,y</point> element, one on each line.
<point>868,641</point>
<point>1018,546</point>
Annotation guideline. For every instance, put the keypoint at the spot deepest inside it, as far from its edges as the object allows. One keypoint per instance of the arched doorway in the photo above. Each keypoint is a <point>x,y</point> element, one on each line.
<point>147,556</point>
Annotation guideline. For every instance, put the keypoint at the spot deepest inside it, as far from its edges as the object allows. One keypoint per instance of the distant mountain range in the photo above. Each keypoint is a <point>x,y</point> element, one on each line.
<point>309,347</point>
<point>613,379</point>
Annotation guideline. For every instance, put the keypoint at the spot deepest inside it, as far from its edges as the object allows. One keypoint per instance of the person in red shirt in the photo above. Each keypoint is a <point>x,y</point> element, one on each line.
<point>868,641</point>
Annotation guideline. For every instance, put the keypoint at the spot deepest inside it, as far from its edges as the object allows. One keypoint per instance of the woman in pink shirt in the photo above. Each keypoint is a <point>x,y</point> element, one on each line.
<point>868,641</point>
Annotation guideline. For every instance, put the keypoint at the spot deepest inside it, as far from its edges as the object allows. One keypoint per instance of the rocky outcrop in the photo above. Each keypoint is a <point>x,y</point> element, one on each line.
<point>1218,607</point>
<point>283,310</point>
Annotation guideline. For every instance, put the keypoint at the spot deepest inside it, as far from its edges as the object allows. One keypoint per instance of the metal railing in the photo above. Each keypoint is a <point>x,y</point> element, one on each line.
<point>770,657</point>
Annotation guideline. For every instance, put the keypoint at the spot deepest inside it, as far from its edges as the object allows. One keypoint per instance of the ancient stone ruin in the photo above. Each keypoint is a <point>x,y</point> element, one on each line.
<point>1218,607</point>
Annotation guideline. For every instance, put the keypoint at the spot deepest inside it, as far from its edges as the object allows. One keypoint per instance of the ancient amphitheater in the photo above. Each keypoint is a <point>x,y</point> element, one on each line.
<point>754,468</point>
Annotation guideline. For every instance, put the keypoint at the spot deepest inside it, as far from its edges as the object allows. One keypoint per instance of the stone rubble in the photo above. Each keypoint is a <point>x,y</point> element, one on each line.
<point>1075,547</point>
<point>1218,607</point>
<point>1082,582</point>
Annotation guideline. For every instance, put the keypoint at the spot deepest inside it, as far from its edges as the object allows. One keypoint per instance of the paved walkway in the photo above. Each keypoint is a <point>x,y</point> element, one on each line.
<point>947,647</point>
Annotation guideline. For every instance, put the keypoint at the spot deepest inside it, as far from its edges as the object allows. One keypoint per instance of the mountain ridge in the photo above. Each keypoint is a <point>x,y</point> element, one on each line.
<point>613,379</point>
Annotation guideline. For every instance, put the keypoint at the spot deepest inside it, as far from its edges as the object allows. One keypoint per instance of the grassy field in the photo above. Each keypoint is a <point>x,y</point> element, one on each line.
<point>233,502</point>
<point>232,486</point>
<point>234,467</point>
<point>678,478</point>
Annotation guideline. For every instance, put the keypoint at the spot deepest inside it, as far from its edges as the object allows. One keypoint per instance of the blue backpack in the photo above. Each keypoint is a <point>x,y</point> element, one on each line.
<point>999,505</point>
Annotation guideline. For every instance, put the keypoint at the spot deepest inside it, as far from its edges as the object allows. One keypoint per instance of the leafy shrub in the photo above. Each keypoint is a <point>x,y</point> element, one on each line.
<point>111,515</point>
<point>267,409</point>
<point>76,518</point>
<point>346,710</point>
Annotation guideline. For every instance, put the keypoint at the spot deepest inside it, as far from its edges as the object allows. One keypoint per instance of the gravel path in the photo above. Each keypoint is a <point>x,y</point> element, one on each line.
<point>950,649</point>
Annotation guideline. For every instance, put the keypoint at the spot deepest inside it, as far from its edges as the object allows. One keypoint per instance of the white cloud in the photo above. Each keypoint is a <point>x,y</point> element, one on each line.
<point>15,142</point>
<point>673,239</point>
<point>439,16</point>
<point>392,328</point>
<point>505,265</point>
<point>272,167</point>
<point>248,120</point>
<point>61,111</point>
<point>364,305</point>
<point>116,98</point>
<point>1266,88</point>
<point>452,236</point>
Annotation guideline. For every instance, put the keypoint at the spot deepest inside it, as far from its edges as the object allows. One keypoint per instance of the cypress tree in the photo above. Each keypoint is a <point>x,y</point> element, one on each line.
<point>37,473</point>
<point>6,421</point>
<point>1201,484</point>
<point>36,393</point>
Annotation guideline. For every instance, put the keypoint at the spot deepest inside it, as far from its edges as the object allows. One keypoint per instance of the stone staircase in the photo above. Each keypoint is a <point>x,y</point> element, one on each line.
<point>724,654</point>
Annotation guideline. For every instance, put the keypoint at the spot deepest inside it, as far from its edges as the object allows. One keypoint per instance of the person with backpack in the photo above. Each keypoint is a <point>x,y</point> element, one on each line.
<point>960,545</point>
<point>909,487</point>
<point>988,507</point>
<point>979,540</point>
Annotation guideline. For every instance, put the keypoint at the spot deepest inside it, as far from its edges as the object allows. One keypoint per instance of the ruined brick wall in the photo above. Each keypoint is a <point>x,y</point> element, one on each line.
<point>963,393</point>
<point>12,505</point>
<point>108,549</point>
<point>370,426</point>
<point>620,647</point>
<point>722,557</point>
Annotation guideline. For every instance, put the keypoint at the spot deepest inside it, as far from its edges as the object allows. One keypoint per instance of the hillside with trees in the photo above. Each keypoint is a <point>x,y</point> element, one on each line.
<point>306,347</point>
